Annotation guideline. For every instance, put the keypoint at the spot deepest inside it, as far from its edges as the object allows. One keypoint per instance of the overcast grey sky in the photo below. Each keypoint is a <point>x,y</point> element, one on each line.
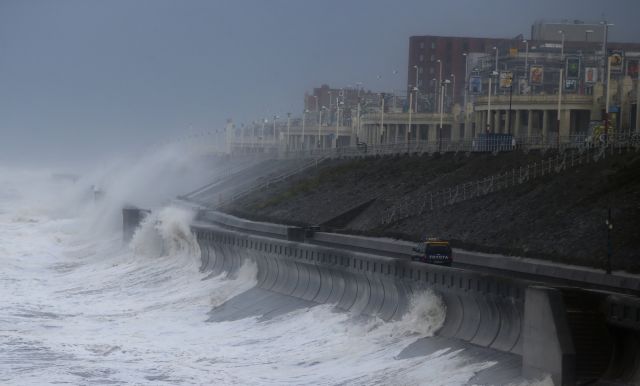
<point>84,78</point>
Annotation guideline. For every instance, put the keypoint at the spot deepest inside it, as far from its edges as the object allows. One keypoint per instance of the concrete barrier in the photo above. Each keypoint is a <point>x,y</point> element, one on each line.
<point>480,307</point>
<point>488,310</point>
<point>548,347</point>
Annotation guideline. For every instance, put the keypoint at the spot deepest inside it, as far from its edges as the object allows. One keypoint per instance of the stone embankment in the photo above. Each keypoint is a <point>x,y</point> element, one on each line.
<point>556,210</point>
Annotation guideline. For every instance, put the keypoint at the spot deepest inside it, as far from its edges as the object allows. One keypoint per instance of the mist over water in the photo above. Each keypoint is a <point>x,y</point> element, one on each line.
<point>80,307</point>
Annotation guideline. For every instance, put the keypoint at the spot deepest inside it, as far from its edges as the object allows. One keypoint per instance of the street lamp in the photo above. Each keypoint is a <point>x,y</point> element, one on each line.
<point>465,83</point>
<point>275,139</point>
<point>453,90</point>
<point>417,83</point>
<point>439,75</point>
<point>560,87</point>
<point>381,115</point>
<point>608,70</point>
<point>411,89</point>
<point>495,48</point>
<point>288,129</point>
<point>320,123</point>
<point>490,127</point>
<point>526,60</point>
<point>442,91</point>
<point>304,117</point>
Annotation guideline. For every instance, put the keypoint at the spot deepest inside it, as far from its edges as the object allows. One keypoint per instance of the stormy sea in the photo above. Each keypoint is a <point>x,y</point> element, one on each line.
<point>81,307</point>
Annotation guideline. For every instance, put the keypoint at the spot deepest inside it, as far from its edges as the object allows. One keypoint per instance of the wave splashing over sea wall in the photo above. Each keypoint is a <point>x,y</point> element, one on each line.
<point>83,309</point>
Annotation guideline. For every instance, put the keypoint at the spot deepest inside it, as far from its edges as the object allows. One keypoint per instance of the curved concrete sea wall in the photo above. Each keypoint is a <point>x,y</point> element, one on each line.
<point>482,309</point>
<point>574,334</point>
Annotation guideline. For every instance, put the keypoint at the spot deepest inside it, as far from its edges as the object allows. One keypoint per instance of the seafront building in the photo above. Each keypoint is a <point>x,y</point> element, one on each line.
<point>556,86</point>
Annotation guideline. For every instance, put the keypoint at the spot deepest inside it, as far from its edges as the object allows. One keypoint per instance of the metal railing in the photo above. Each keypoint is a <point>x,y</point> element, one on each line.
<point>558,163</point>
<point>525,144</point>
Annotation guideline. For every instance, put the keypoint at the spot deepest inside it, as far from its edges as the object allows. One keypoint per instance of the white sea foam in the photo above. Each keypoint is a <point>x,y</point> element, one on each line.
<point>88,310</point>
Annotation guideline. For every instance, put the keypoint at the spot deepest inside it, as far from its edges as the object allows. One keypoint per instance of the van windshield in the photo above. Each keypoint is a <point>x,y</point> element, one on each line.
<point>440,250</point>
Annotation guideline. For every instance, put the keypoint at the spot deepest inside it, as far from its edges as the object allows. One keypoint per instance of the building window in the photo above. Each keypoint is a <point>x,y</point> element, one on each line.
<point>421,57</point>
<point>421,45</point>
<point>433,58</point>
<point>421,70</point>
<point>433,45</point>
<point>431,70</point>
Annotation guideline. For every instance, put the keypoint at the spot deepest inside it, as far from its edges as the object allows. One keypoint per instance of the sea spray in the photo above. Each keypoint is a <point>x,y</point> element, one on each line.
<point>166,232</point>
<point>243,280</point>
<point>425,316</point>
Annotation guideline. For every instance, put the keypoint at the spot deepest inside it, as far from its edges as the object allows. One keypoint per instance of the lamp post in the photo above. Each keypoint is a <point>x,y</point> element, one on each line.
<point>262,134</point>
<point>560,87</point>
<point>381,115</point>
<point>465,83</point>
<point>320,123</point>
<point>439,76</point>
<point>608,78</point>
<point>453,90</point>
<point>490,127</point>
<point>409,128</point>
<point>609,225</point>
<point>275,139</point>
<point>288,129</point>
<point>417,83</point>
<point>526,60</point>
<point>337,119</point>
<point>304,118</point>
<point>495,48</point>
<point>442,91</point>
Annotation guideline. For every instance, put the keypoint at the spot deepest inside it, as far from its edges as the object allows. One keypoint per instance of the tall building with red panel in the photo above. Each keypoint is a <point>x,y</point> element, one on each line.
<point>427,52</point>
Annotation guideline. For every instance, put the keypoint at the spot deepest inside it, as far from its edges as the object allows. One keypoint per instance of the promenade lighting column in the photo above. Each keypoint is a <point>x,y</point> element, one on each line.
<point>409,127</point>
<point>358,122</point>
<point>275,138</point>
<point>496,69</point>
<point>442,90</point>
<point>320,123</point>
<point>381,116</point>
<point>453,90</point>
<point>439,76</point>
<point>304,118</point>
<point>560,87</point>
<point>608,77</point>
<point>465,83</point>
<point>490,127</point>
<point>417,83</point>
<point>288,129</point>
<point>638,104</point>
<point>337,119</point>
<point>526,60</point>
